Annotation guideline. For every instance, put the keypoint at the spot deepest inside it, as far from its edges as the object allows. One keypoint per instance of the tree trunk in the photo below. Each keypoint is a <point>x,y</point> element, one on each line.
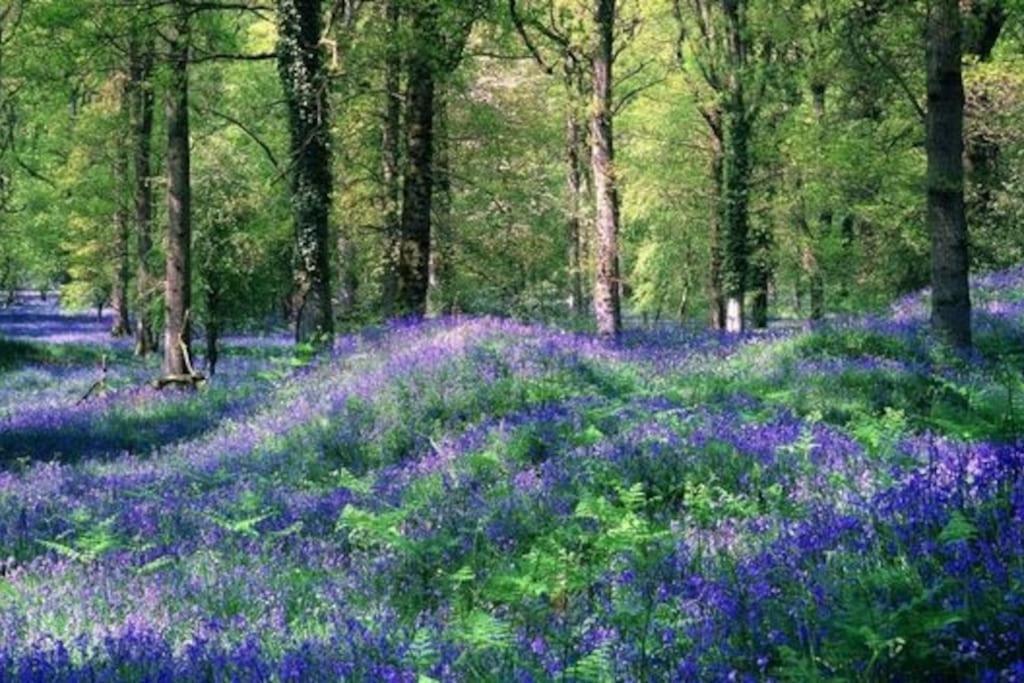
<point>391,161</point>
<point>716,295</point>
<point>417,206</point>
<point>574,189</point>
<point>987,20</point>
<point>761,273</point>
<point>304,77</point>
<point>736,173</point>
<point>178,278</point>
<point>441,236</point>
<point>122,266</point>
<point>141,94</point>
<point>212,329</point>
<point>951,301</point>
<point>815,283</point>
<point>607,304</point>
<point>736,219</point>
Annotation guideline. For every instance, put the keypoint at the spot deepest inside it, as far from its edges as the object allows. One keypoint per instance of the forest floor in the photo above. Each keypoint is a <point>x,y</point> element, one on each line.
<point>478,499</point>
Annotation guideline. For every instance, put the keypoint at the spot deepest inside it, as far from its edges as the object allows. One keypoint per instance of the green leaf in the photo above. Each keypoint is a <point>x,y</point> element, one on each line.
<point>156,565</point>
<point>589,436</point>
<point>245,526</point>
<point>959,528</point>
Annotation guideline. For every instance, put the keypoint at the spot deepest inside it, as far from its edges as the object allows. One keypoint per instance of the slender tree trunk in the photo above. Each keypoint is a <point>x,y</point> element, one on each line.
<point>417,205</point>
<point>141,94</point>
<point>178,278</point>
<point>574,188</point>
<point>441,236</point>
<point>122,234</point>
<point>391,161</point>
<point>607,303</point>
<point>816,277</point>
<point>304,77</point>
<point>212,329</point>
<point>716,295</point>
<point>951,300</point>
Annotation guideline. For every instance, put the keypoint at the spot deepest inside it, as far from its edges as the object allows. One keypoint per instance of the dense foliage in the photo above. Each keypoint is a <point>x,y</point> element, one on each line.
<point>833,99</point>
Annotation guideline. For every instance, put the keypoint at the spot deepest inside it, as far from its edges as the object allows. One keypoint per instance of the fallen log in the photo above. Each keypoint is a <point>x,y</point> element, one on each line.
<point>186,381</point>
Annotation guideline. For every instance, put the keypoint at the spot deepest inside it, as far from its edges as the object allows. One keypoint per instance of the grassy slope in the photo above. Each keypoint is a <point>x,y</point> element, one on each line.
<point>482,500</point>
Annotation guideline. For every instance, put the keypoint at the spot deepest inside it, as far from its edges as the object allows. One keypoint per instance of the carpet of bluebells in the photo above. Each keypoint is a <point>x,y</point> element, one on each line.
<point>486,500</point>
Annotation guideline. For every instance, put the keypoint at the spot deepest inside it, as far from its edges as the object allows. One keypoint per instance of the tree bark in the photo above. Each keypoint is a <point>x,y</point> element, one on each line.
<point>178,277</point>
<point>141,94</point>
<point>439,288</point>
<point>212,329</point>
<point>736,219</point>
<point>951,301</point>
<point>816,277</point>
<point>304,77</point>
<point>391,161</point>
<point>122,233</point>
<point>417,205</point>
<point>987,20</point>
<point>574,186</point>
<point>736,172</point>
<point>761,273</point>
<point>716,295</point>
<point>607,303</point>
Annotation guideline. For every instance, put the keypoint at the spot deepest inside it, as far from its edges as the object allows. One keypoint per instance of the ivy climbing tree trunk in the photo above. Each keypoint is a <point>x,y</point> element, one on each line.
<point>736,172</point>
<point>607,302</point>
<point>736,187</point>
<point>304,77</point>
<point>178,277</point>
<point>141,97</point>
<point>951,301</point>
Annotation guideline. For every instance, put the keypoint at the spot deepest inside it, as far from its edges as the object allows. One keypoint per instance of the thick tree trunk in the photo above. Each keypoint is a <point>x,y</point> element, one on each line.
<point>736,218</point>
<point>951,301</point>
<point>736,172</point>
<point>178,277</point>
<point>417,205</point>
<point>141,94</point>
<point>607,303</point>
<point>442,234</point>
<point>304,77</point>
<point>391,161</point>
<point>122,233</point>
<point>761,274</point>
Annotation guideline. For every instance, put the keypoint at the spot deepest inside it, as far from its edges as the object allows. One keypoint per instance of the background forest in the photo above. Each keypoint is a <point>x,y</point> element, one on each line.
<point>398,157</point>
